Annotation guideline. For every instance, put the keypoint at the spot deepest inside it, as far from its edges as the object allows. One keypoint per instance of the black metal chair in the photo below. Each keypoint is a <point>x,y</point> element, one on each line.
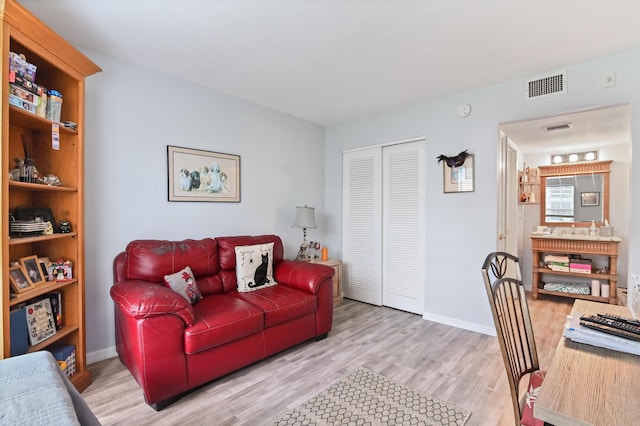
<point>502,279</point>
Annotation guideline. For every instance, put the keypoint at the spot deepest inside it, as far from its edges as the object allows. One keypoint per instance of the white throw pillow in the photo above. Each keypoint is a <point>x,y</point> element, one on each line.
<point>254,267</point>
<point>184,283</point>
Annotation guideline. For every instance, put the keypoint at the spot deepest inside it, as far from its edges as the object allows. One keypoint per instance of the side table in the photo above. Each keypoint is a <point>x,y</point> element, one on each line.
<point>337,278</point>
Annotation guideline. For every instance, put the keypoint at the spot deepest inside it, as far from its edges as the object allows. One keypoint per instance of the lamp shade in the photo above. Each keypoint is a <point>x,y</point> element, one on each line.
<point>305,217</point>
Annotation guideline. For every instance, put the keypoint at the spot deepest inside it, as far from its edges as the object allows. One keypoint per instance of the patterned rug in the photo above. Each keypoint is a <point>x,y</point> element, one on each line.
<point>367,398</point>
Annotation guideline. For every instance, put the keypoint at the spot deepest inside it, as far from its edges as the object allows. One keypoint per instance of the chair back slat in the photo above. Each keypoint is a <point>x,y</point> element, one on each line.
<point>502,279</point>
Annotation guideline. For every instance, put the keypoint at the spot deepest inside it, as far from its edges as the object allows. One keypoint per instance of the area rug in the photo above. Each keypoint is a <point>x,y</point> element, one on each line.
<point>368,398</point>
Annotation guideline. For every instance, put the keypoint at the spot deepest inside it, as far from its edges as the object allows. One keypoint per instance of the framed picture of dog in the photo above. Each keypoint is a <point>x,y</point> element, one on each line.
<point>198,175</point>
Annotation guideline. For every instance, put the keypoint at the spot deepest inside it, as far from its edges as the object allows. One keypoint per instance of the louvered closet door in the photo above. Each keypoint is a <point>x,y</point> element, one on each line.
<point>362,225</point>
<point>383,225</point>
<point>403,242</point>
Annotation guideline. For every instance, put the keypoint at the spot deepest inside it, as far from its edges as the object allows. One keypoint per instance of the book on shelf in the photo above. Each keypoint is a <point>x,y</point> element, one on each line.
<point>18,327</point>
<point>560,267</point>
<point>549,258</point>
<point>582,268</point>
<point>56,307</point>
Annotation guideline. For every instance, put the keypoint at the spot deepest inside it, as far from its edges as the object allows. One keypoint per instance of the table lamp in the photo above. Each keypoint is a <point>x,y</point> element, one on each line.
<point>305,218</point>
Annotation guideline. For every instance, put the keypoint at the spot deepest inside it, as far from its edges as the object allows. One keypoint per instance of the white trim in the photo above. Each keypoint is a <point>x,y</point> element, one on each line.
<point>101,355</point>
<point>383,144</point>
<point>454,322</point>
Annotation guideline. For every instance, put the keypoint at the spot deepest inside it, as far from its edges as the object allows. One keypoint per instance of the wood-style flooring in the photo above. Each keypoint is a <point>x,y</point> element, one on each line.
<point>462,367</point>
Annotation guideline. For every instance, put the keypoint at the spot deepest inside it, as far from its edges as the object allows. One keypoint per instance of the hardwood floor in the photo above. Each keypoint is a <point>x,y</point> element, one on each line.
<point>458,366</point>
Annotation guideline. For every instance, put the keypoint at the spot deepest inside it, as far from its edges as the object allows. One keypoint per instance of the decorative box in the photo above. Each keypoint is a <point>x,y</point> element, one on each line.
<point>61,270</point>
<point>66,353</point>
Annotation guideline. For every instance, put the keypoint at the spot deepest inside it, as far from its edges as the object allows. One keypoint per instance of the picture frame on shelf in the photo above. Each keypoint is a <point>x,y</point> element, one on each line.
<point>44,264</point>
<point>199,175</point>
<point>32,269</point>
<point>41,323</point>
<point>18,278</point>
<point>461,178</point>
<point>589,199</point>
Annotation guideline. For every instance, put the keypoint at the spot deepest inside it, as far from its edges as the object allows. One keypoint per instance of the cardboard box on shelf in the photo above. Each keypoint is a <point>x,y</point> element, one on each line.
<point>23,94</point>
<point>22,104</point>
<point>18,65</point>
<point>26,84</point>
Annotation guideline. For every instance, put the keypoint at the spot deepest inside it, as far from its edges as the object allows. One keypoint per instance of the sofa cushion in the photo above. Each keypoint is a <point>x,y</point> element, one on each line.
<point>184,283</point>
<point>281,303</point>
<point>151,260</point>
<point>221,319</point>
<point>227,254</point>
<point>254,268</point>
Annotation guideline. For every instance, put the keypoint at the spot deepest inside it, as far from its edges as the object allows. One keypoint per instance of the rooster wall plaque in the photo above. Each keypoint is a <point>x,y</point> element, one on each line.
<point>455,161</point>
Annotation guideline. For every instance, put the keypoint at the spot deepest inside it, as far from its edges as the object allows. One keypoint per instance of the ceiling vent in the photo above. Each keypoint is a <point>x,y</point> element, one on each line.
<point>553,128</point>
<point>545,85</point>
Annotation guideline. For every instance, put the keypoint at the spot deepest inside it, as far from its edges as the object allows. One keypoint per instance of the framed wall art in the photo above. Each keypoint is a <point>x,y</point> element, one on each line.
<point>198,175</point>
<point>461,178</point>
<point>589,199</point>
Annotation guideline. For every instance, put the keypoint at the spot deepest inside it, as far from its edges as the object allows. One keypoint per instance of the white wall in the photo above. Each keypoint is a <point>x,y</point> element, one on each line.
<point>132,114</point>
<point>462,228</point>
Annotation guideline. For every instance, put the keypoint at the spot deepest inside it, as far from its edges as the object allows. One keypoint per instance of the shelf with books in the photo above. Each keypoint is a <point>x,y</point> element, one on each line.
<point>565,253</point>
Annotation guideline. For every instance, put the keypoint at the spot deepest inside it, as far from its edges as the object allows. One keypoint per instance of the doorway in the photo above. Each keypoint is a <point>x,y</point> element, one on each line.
<point>606,129</point>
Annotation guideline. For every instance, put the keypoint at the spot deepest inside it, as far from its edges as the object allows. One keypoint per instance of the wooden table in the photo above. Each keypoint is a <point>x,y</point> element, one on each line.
<point>588,385</point>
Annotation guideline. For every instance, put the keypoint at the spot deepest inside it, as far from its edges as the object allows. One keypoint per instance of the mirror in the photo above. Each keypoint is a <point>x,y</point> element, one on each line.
<point>574,194</point>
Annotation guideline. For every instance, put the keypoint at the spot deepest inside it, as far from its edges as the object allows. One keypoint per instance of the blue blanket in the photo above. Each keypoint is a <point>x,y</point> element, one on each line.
<point>33,392</point>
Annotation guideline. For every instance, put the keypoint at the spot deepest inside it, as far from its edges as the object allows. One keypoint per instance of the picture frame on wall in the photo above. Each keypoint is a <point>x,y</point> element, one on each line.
<point>589,199</point>
<point>199,175</point>
<point>461,178</point>
<point>18,279</point>
<point>31,267</point>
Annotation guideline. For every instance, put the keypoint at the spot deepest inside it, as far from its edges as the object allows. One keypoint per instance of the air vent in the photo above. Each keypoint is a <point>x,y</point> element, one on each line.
<point>564,126</point>
<point>549,84</point>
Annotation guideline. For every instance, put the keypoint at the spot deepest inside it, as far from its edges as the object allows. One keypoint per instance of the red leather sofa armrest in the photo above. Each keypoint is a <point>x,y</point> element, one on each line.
<point>302,275</point>
<point>140,299</point>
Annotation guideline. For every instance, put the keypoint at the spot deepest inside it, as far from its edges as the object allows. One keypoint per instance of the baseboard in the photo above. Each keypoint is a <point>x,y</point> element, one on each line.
<point>101,355</point>
<point>471,326</point>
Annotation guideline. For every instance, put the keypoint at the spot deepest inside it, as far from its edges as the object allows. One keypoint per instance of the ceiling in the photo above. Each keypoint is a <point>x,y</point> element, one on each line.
<point>588,129</point>
<point>337,60</point>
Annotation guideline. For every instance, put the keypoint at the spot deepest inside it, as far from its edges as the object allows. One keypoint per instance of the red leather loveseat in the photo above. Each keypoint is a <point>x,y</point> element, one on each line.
<point>171,346</point>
